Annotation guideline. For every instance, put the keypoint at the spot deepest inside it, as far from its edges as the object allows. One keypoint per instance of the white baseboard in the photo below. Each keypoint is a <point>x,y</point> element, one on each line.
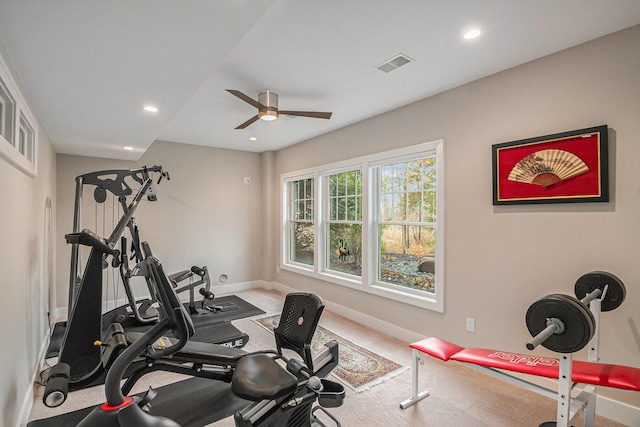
<point>618,411</point>
<point>27,401</point>
<point>372,322</point>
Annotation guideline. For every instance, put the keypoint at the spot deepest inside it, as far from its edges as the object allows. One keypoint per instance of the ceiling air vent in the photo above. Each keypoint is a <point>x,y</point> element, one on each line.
<point>393,63</point>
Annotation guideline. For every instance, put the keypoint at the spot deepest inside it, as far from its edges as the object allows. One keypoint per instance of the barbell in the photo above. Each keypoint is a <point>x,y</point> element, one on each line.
<point>565,324</point>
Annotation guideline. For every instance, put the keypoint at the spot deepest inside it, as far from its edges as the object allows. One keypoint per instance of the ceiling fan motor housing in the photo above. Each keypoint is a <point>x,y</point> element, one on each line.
<point>270,100</point>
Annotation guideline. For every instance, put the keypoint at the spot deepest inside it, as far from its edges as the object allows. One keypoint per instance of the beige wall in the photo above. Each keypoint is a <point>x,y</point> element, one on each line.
<point>27,265</point>
<point>204,215</point>
<point>501,259</point>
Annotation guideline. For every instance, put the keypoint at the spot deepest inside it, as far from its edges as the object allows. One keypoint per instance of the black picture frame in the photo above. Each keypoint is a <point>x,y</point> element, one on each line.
<point>567,167</point>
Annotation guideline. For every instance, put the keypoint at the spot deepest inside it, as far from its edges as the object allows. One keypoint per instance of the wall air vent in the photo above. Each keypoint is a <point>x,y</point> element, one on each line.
<point>393,63</point>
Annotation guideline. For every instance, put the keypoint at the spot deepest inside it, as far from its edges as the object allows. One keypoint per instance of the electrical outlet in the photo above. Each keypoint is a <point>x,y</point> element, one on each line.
<point>247,180</point>
<point>471,324</point>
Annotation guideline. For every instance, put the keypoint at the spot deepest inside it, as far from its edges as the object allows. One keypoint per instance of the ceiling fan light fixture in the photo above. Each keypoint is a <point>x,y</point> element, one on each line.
<point>269,100</point>
<point>268,115</point>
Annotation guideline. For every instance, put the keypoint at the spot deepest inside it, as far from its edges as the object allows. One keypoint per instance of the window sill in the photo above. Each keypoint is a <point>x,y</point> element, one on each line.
<point>427,301</point>
<point>11,155</point>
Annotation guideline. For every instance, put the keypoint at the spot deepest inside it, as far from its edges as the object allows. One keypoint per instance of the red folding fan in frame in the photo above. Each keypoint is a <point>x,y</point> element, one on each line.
<point>560,168</point>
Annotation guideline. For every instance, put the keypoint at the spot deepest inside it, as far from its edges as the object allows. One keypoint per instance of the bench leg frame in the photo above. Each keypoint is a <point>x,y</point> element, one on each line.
<point>568,407</point>
<point>416,395</point>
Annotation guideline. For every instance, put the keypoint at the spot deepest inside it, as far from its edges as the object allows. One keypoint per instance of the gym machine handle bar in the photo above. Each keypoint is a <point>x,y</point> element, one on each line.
<point>555,326</point>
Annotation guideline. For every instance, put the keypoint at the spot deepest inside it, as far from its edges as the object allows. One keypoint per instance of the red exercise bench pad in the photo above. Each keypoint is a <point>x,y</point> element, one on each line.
<point>437,348</point>
<point>622,377</point>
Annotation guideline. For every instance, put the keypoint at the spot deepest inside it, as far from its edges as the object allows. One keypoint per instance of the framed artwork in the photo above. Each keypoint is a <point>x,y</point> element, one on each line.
<point>565,167</point>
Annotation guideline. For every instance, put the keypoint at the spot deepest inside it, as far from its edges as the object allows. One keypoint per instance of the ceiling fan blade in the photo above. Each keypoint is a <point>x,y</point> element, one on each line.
<point>248,122</point>
<point>312,114</point>
<point>246,98</point>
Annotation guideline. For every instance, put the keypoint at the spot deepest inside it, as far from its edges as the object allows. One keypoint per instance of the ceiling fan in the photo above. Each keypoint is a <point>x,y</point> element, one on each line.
<point>267,105</point>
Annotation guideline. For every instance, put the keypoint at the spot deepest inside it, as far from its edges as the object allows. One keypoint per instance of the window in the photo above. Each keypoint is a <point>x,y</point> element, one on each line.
<point>7,113</point>
<point>406,224</point>
<point>344,225</point>
<point>380,221</point>
<point>301,221</point>
<point>26,139</point>
<point>18,130</point>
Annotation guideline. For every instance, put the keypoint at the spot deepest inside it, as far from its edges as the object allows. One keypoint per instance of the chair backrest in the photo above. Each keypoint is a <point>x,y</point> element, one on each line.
<point>298,322</point>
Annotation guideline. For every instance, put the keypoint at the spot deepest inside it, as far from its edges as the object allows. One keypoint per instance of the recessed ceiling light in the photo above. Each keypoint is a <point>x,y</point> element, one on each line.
<point>472,34</point>
<point>253,138</point>
<point>150,108</point>
<point>127,148</point>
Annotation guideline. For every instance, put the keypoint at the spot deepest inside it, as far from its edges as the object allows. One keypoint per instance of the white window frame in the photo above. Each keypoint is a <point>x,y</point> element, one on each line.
<point>324,220</point>
<point>286,224</point>
<point>369,282</point>
<point>24,122</point>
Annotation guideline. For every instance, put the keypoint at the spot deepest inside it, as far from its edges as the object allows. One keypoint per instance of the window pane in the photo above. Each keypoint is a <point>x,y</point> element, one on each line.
<point>386,179</point>
<point>407,194</point>
<point>301,194</point>
<point>386,208</point>
<point>333,209</point>
<point>345,248</point>
<point>301,237</point>
<point>309,188</point>
<point>7,113</point>
<point>341,208</point>
<point>342,185</point>
<point>333,185</point>
<point>302,243</point>
<point>414,175</point>
<point>414,206</point>
<point>406,256</point>
<point>308,210</point>
<point>429,206</point>
<point>398,177</point>
<point>354,208</point>
<point>399,206</point>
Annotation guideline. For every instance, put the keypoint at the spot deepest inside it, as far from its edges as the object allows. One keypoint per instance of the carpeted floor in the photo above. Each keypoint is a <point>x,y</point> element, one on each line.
<point>358,368</point>
<point>460,396</point>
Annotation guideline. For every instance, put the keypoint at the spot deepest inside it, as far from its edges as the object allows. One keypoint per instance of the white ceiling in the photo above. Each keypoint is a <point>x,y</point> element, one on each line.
<point>89,66</point>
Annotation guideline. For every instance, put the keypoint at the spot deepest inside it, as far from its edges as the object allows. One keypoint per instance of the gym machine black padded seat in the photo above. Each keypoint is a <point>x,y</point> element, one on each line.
<point>298,321</point>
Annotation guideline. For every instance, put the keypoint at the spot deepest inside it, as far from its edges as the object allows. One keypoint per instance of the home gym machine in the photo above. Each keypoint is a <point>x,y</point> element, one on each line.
<point>78,358</point>
<point>279,395</point>
<point>118,183</point>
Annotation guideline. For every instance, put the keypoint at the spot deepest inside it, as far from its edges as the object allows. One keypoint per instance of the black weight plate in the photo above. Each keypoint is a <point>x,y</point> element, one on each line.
<point>598,280</point>
<point>579,326</point>
<point>590,319</point>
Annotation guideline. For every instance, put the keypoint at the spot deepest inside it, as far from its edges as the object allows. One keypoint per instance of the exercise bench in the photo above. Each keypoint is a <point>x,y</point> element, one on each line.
<point>495,362</point>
